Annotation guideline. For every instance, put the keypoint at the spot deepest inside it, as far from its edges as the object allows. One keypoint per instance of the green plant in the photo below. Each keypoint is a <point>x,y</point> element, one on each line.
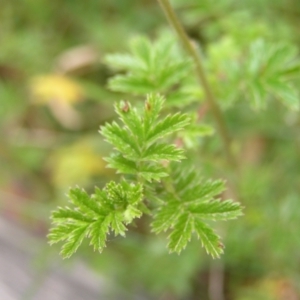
<point>143,152</point>
<point>242,71</point>
<point>185,201</point>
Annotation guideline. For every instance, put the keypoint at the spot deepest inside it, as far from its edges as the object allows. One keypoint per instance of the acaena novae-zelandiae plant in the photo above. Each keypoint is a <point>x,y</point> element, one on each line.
<point>154,180</point>
<point>147,159</point>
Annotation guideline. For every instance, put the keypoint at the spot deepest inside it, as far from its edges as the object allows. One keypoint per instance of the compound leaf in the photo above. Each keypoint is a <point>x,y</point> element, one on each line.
<point>94,216</point>
<point>181,234</point>
<point>209,239</point>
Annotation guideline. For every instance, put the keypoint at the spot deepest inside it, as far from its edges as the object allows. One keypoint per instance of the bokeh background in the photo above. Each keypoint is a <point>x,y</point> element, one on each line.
<point>53,98</point>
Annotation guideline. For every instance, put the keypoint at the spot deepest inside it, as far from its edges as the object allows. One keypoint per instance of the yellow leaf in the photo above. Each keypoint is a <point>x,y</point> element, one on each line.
<point>47,88</point>
<point>76,164</point>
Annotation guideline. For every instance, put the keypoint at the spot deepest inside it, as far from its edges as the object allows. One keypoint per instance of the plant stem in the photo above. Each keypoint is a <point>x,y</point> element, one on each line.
<point>210,98</point>
<point>216,281</point>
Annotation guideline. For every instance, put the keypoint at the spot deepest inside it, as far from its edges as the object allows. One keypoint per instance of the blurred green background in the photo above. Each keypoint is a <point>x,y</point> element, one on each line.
<point>54,97</point>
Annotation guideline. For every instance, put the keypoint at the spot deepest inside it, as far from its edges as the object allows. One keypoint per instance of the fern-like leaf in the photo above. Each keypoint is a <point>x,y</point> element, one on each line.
<point>95,216</point>
<point>138,143</point>
<point>181,233</point>
<point>186,205</point>
<point>209,239</point>
<point>150,67</point>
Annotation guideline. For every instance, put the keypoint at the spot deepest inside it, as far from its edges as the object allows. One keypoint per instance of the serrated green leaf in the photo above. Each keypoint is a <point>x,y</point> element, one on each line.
<point>253,70</point>
<point>74,240</point>
<point>153,107</point>
<point>60,232</point>
<point>209,239</point>
<point>210,189</point>
<point>132,84</point>
<point>121,164</point>
<point>158,152</point>
<point>142,49</point>
<point>120,139</point>
<point>116,194</point>
<point>217,210</point>
<point>166,217</point>
<point>93,216</point>
<point>117,223</point>
<point>131,213</point>
<point>202,191</point>
<point>145,154</point>
<point>173,74</point>
<point>184,183</point>
<point>190,187</point>
<point>84,202</point>
<point>131,120</point>
<point>149,68</point>
<point>124,193</point>
<point>152,172</point>
<point>181,233</point>
<point>101,197</point>
<point>167,126</point>
<point>68,215</point>
<point>188,201</point>
<point>98,233</point>
<point>135,193</point>
<point>272,63</point>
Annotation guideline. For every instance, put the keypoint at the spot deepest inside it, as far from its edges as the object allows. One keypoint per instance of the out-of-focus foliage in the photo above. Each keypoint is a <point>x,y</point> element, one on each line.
<point>154,67</point>
<point>59,88</point>
<point>261,72</point>
<point>82,158</point>
<point>45,149</point>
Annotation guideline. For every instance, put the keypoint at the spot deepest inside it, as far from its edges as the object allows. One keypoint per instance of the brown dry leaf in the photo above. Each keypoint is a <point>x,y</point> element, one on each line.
<point>77,60</point>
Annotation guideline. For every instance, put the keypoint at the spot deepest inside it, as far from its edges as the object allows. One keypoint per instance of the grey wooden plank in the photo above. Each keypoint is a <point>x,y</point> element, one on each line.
<point>19,280</point>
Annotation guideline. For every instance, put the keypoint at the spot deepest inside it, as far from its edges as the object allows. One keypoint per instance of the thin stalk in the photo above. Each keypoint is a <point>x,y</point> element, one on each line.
<point>216,281</point>
<point>210,98</point>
